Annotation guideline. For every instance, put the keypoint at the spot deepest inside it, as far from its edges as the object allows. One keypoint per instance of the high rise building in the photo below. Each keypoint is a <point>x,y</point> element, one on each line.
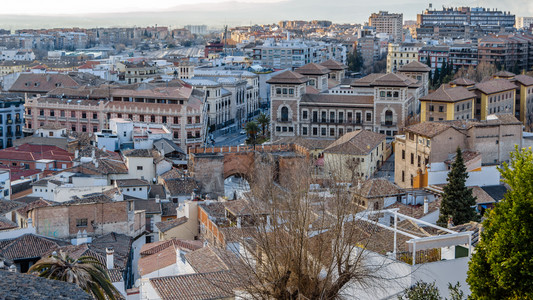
<point>524,22</point>
<point>389,23</point>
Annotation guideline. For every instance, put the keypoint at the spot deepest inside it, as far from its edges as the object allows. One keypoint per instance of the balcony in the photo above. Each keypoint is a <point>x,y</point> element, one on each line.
<point>388,124</point>
<point>280,120</point>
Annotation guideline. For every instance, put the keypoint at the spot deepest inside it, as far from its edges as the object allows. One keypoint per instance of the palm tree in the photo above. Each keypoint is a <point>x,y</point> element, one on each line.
<point>86,272</point>
<point>251,129</point>
<point>263,120</point>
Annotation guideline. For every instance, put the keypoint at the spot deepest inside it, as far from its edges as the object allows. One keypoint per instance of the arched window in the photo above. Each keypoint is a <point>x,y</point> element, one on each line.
<point>284,114</point>
<point>388,117</point>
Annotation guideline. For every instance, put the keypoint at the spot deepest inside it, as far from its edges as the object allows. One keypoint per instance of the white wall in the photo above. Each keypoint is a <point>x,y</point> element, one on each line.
<point>136,191</point>
<point>488,175</point>
<point>148,168</point>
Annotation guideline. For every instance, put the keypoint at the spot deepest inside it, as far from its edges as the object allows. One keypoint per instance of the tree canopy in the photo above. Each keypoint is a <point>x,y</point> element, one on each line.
<point>457,199</point>
<point>502,266</point>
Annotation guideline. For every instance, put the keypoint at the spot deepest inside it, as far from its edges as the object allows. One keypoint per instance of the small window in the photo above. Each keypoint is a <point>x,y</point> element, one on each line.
<point>81,222</point>
<point>139,168</point>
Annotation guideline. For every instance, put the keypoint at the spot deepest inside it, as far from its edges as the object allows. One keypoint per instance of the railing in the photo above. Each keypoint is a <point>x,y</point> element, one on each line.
<point>388,124</point>
<point>246,148</point>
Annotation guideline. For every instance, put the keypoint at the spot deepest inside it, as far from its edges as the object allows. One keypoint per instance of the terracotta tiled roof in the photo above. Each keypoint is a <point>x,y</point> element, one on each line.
<point>208,259</point>
<point>28,246</point>
<point>504,74</point>
<point>289,77</point>
<point>167,225</point>
<point>414,66</point>
<point>30,152</point>
<point>89,198</point>
<point>24,286</point>
<point>181,186</point>
<point>359,142</point>
<point>203,286</point>
<point>463,82</point>
<point>311,90</point>
<point>378,188</point>
<point>168,209</point>
<point>7,206</point>
<point>239,207</point>
<point>152,248</point>
<point>6,224</point>
<point>131,182</point>
<point>149,206</point>
<point>449,94</point>
<point>313,69</point>
<point>164,258</point>
<point>41,83</point>
<point>428,129</point>
<point>482,197</point>
<point>214,209</point>
<point>495,86</point>
<point>37,203</point>
<point>333,65</point>
<point>393,79</point>
<point>416,211</point>
<point>172,173</point>
<point>524,80</point>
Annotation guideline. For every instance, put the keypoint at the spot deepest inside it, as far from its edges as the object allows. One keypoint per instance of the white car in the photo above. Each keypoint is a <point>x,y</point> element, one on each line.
<point>243,131</point>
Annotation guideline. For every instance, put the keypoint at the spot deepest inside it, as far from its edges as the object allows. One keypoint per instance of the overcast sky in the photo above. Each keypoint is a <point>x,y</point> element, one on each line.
<point>50,13</point>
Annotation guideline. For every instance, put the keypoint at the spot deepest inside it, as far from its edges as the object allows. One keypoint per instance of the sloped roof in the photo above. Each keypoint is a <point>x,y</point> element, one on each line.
<point>359,142</point>
<point>449,94</point>
<point>131,182</point>
<point>167,225</point>
<point>414,66</point>
<point>524,80</point>
<point>495,86</point>
<point>428,129</point>
<point>463,82</point>
<point>209,259</point>
<point>334,65</point>
<point>504,74</point>
<point>393,79</point>
<point>41,83</point>
<point>28,246</point>
<point>181,186</point>
<point>156,247</point>
<point>313,69</point>
<point>289,77</point>
<point>199,286</point>
<point>167,146</point>
<point>25,286</point>
<point>378,188</point>
<point>482,197</point>
<point>6,224</point>
<point>7,206</point>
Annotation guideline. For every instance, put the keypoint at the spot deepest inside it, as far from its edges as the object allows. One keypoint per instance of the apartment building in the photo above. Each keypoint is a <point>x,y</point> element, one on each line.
<point>448,102</point>
<point>524,22</point>
<point>463,55</point>
<point>433,142</point>
<point>434,56</point>
<point>389,23</point>
<point>288,54</point>
<point>11,119</point>
<point>85,109</point>
<point>462,22</point>
<point>137,71</point>
<point>401,54</point>
<point>511,52</point>
<point>496,96</point>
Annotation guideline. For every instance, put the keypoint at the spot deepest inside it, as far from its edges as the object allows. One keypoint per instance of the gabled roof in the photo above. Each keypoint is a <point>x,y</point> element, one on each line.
<point>449,94</point>
<point>313,69</point>
<point>199,286</point>
<point>156,247</point>
<point>414,66</point>
<point>288,77</point>
<point>504,74</point>
<point>428,129</point>
<point>6,224</point>
<point>209,259</point>
<point>28,246</point>
<point>393,79</point>
<point>333,65</point>
<point>167,225</point>
<point>359,142</point>
<point>167,146</point>
<point>495,86</point>
<point>378,188</point>
<point>7,206</point>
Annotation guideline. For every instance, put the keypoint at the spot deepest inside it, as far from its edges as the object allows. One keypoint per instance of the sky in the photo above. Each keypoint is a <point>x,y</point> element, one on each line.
<point>216,13</point>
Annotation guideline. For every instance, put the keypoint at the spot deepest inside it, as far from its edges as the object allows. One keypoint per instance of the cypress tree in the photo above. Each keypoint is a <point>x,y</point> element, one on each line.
<point>457,199</point>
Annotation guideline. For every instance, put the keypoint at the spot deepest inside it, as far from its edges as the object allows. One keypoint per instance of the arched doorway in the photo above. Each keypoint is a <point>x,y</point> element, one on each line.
<point>235,186</point>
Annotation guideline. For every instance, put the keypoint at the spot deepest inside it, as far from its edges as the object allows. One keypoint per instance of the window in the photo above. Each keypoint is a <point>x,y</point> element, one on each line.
<point>441,108</point>
<point>304,130</point>
<point>315,116</point>
<point>304,114</point>
<point>315,131</point>
<point>323,117</point>
<point>332,117</point>
<point>368,117</point>
<point>176,135</point>
<point>412,159</point>
<point>284,114</point>
<point>52,113</point>
<point>323,131</point>
<point>81,222</point>
<point>176,120</point>
<point>72,114</point>
<point>95,116</point>
<point>139,168</point>
<point>41,112</point>
<point>332,132</point>
<point>403,154</point>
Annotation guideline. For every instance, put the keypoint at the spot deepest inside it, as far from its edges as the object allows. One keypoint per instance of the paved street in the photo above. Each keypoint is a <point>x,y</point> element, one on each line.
<point>387,169</point>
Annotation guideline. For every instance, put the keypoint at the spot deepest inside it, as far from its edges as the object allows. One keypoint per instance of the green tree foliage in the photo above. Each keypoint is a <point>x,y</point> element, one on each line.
<point>355,61</point>
<point>502,266</point>
<point>457,199</point>
<point>422,291</point>
<point>264,121</point>
<point>251,129</point>
<point>86,272</point>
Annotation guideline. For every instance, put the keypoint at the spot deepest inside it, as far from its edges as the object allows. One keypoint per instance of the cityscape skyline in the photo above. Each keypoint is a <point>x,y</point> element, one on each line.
<point>217,13</point>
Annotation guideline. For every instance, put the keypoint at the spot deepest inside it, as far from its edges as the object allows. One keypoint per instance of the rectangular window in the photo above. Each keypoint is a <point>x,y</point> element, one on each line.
<point>368,117</point>
<point>412,159</point>
<point>95,116</point>
<point>323,131</point>
<point>304,130</point>
<point>81,222</point>
<point>304,114</point>
<point>176,120</point>
<point>315,131</point>
<point>441,108</point>
<point>139,168</point>
<point>403,154</point>
<point>332,132</point>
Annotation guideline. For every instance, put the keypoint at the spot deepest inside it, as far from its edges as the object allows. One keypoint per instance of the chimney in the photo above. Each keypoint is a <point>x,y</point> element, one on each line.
<point>426,205</point>
<point>76,153</point>
<point>157,200</point>
<point>110,258</point>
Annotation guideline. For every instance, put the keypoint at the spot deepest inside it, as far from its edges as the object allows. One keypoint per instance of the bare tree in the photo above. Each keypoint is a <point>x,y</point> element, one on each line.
<point>297,243</point>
